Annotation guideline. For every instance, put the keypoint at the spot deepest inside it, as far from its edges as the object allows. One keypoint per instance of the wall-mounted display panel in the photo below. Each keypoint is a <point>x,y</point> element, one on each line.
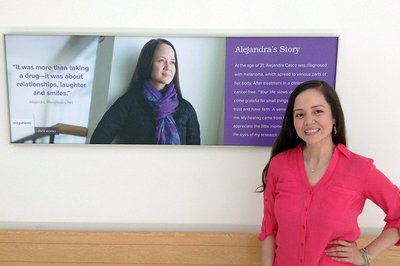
<point>227,90</point>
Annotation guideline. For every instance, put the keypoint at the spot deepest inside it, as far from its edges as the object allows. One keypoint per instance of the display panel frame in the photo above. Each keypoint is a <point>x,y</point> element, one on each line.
<point>215,71</point>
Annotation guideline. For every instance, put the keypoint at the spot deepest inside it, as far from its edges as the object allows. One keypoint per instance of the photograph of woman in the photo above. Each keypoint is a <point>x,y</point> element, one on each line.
<point>153,110</point>
<point>315,188</point>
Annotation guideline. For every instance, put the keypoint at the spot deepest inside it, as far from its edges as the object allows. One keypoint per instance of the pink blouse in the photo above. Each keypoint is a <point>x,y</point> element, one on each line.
<point>304,219</point>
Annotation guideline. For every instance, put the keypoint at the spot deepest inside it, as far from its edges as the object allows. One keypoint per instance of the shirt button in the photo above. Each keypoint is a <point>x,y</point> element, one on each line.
<point>302,244</point>
<point>301,260</point>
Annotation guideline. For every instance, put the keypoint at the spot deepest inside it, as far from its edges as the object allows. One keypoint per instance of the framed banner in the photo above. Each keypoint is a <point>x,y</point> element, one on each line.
<point>228,90</point>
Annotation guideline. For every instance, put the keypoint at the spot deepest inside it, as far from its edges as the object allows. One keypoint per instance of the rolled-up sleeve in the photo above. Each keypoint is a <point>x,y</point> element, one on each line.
<point>269,225</point>
<point>386,195</point>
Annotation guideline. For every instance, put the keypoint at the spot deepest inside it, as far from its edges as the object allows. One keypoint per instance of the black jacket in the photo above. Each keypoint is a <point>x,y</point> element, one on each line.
<point>130,120</point>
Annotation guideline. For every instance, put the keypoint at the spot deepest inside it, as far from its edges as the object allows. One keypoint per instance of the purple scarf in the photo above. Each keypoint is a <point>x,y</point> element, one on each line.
<point>163,106</point>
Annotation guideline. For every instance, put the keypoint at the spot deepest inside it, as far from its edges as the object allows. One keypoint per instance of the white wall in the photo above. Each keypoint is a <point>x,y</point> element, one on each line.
<point>193,188</point>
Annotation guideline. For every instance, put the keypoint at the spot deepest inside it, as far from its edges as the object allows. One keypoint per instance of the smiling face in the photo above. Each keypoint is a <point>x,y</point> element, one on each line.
<point>163,70</point>
<point>312,117</point>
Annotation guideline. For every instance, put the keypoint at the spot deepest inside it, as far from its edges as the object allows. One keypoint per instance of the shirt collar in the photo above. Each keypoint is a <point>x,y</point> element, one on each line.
<point>344,150</point>
<point>340,147</point>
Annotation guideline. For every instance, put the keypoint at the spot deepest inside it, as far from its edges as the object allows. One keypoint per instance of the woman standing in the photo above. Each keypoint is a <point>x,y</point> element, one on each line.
<point>315,188</point>
<point>153,110</point>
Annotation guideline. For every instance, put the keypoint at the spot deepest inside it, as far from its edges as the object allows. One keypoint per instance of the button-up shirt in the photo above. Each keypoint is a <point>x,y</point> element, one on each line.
<point>304,218</point>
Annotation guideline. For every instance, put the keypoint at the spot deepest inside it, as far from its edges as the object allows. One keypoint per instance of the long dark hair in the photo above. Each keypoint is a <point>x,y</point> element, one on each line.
<point>288,139</point>
<point>144,66</point>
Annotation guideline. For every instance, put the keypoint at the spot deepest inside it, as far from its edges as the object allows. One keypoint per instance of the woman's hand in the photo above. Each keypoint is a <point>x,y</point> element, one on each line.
<point>344,251</point>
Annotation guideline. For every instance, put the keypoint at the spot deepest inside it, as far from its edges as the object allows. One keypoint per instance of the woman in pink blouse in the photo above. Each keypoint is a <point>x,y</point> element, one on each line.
<point>315,188</point>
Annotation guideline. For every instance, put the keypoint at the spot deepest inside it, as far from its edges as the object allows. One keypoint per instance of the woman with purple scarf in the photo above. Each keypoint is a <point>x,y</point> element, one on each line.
<point>153,110</point>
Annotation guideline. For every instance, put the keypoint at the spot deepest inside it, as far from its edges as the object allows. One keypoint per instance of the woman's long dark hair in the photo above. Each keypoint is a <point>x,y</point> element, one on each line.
<point>288,139</point>
<point>144,66</point>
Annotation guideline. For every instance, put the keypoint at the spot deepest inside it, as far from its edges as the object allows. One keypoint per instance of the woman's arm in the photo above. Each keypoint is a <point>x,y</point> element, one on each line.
<point>386,195</point>
<point>384,241</point>
<point>192,126</point>
<point>350,253</point>
<point>268,251</point>
<point>112,121</point>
